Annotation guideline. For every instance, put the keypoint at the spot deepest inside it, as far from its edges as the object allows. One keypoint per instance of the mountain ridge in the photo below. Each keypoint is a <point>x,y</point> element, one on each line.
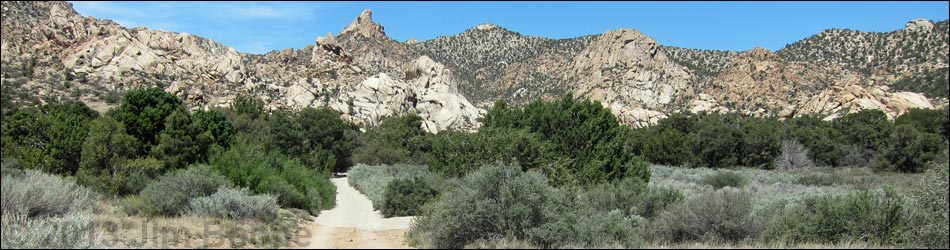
<point>52,51</point>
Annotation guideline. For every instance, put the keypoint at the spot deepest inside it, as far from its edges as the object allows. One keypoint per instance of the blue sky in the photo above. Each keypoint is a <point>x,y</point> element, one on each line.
<point>259,27</point>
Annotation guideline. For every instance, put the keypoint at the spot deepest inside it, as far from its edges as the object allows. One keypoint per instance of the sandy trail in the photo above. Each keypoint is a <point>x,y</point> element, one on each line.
<point>353,223</point>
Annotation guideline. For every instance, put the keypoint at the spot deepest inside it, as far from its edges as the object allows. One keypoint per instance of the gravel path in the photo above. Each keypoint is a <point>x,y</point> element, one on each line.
<point>353,223</point>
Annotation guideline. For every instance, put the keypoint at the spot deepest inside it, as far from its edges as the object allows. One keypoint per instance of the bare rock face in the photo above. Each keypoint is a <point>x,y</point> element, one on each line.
<point>431,92</point>
<point>364,25</point>
<point>625,70</point>
<point>919,25</point>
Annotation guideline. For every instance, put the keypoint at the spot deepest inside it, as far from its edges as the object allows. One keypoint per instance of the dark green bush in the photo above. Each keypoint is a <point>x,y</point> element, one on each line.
<point>594,146</point>
<point>669,147</point>
<point>404,197</point>
<point>247,164</point>
<point>876,216</point>
<point>105,164</point>
<point>908,150</point>
<point>924,120</point>
<point>716,143</point>
<point>143,112</point>
<point>49,138</point>
<point>399,139</point>
<point>723,179</point>
<point>868,129</point>
<point>287,195</point>
<point>455,154</point>
<point>171,193</point>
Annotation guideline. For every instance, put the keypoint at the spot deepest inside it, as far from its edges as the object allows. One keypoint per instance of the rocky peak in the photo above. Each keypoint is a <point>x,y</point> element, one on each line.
<point>486,26</point>
<point>758,53</point>
<point>364,25</point>
<point>919,24</point>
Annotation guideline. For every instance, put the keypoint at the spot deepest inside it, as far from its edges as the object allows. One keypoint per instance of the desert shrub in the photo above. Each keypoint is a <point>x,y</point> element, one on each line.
<point>606,229</point>
<point>399,139</point>
<point>72,231</point>
<point>657,199</point>
<point>229,203</point>
<point>132,205</point>
<point>587,143</point>
<point>315,184</point>
<point>793,155</point>
<point>248,164</point>
<point>931,229</point>
<point>11,166</point>
<point>723,179</point>
<point>724,215</point>
<point>143,112</point>
<point>760,142</point>
<point>867,128</point>
<point>455,154</point>
<point>853,155</point>
<point>287,195</point>
<point>378,152</point>
<point>877,216</point>
<point>818,136</point>
<point>716,143</point>
<point>670,147</point>
<point>630,196</point>
<point>924,120</point>
<point>49,138</point>
<point>495,201</point>
<point>170,194</point>
<point>908,150</point>
<point>372,180</point>
<point>38,194</point>
<point>819,179</point>
<point>404,197</point>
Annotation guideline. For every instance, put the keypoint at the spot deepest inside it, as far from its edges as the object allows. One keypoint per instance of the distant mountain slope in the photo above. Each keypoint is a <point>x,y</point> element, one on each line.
<point>51,52</point>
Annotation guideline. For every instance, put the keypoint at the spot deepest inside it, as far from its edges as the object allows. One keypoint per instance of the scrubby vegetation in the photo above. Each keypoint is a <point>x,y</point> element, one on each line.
<point>563,173</point>
<point>46,211</point>
<point>154,157</point>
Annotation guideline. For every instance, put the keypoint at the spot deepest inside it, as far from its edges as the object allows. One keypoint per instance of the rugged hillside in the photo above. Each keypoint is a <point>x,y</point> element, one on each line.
<point>51,52</point>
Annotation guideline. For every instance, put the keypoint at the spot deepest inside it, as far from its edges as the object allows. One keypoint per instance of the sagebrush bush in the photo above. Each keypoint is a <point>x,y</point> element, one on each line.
<point>494,201</point>
<point>372,180</point>
<point>724,179</point>
<point>37,194</point>
<point>931,228</point>
<point>170,194</point>
<point>819,179</point>
<point>132,205</point>
<point>723,215</point>
<point>72,231</point>
<point>877,216</point>
<point>793,155</point>
<point>230,203</point>
<point>404,197</point>
<point>610,228</point>
<point>630,196</point>
<point>11,166</point>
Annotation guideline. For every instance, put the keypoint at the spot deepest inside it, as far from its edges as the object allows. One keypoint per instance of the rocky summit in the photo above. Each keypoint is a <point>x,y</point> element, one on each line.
<point>50,52</point>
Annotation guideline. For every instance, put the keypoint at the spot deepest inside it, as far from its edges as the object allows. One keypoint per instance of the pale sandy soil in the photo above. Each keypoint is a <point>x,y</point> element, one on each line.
<point>353,223</point>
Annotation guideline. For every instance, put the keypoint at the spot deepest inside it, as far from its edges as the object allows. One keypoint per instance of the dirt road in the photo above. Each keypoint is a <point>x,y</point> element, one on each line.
<point>352,223</point>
